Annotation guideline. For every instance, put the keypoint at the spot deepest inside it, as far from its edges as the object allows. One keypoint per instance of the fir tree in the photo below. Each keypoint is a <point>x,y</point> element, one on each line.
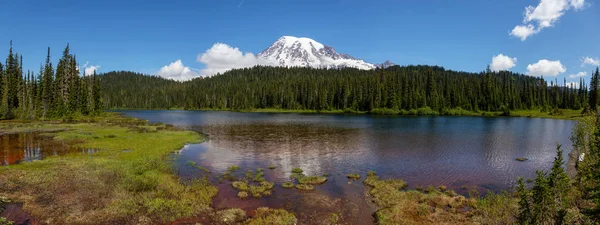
<point>524,217</point>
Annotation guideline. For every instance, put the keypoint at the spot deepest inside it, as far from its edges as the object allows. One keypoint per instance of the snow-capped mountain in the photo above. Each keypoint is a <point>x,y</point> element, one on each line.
<point>291,51</point>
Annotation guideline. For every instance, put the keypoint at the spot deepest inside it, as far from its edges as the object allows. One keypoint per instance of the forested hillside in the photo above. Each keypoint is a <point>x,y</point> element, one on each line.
<point>134,90</point>
<point>393,89</point>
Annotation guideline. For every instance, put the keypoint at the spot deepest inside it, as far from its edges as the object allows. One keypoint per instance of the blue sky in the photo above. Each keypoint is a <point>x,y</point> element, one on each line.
<point>463,35</point>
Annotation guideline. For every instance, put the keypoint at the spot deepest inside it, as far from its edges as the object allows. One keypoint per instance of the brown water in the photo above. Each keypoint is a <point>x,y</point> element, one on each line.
<point>458,152</point>
<point>25,147</point>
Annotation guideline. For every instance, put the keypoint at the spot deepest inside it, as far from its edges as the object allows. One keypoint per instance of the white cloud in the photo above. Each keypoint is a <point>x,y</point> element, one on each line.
<point>544,15</point>
<point>89,70</point>
<point>577,4</point>
<point>580,74</point>
<point>222,57</point>
<point>523,32</point>
<point>177,71</point>
<point>546,68</point>
<point>591,61</point>
<point>502,62</point>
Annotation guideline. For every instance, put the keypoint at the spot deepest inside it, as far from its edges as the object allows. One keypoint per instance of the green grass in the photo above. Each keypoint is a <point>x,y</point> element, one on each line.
<point>565,114</point>
<point>297,170</point>
<point>109,186</point>
<point>267,216</point>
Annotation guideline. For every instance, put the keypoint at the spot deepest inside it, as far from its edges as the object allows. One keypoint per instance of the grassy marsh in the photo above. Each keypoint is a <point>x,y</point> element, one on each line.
<point>109,186</point>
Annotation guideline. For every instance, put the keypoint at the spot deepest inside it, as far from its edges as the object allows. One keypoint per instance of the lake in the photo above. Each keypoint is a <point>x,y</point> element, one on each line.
<point>462,153</point>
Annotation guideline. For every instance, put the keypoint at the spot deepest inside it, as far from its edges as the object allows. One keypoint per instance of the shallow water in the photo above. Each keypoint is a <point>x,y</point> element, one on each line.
<point>458,152</point>
<point>30,146</point>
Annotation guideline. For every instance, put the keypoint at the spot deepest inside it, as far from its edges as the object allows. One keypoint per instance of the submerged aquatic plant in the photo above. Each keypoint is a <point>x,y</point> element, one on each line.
<point>297,170</point>
<point>354,176</point>
<point>240,185</point>
<point>305,187</point>
<point>312,180</point>
<point>288,185</point>
<point>242,194</point>
<point>262,189</point>
<point>233,168</point>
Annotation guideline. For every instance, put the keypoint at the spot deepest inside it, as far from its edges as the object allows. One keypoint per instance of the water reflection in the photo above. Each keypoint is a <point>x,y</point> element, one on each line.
<point>453,151</point>
<point>25,147</point>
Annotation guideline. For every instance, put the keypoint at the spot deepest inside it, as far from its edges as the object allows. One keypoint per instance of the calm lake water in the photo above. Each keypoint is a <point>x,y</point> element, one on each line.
<point>458,152</point>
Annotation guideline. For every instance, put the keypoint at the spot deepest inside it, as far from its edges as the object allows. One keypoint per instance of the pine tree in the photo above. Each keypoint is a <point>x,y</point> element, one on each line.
<point>594,90</point>
<point>48,93</point>
<point>3,92</point>
<point>96,99</point>
<point>559,184</point>
<point>524,217</point>
<point>542,203</point>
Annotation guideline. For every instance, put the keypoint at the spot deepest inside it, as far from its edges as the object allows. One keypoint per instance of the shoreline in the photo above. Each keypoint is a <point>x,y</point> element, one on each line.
<point>565,114</point>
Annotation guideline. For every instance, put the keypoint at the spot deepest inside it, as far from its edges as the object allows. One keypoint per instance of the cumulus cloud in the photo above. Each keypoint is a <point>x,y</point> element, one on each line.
<point>177,71</point>
<point>546,68</point>
<point>222,57</point>
<point>523,31</point>
<point>577,75</point>
<point>502,62</point>
<point>89,70</point>
<point>590,61</point>
<point>544,15</point>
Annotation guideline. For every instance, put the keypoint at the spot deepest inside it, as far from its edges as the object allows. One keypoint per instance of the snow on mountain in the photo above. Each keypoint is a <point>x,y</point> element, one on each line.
<point>291,51</point>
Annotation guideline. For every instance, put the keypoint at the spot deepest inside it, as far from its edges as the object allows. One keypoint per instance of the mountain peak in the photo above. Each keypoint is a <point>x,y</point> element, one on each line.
<point>385,64</point>
<point>290,51</point>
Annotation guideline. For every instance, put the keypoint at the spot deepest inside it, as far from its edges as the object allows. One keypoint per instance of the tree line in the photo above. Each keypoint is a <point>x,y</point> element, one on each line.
<point>395,88</point>
<point>49,93</point>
